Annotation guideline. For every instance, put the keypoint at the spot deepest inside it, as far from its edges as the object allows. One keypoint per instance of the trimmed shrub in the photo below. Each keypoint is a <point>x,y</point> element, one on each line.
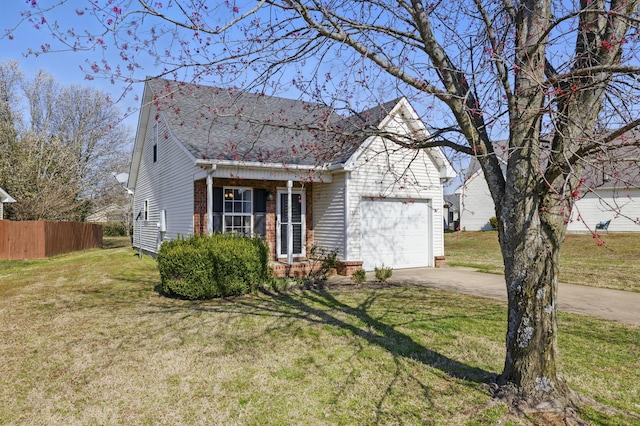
<point>383,273</point>
<point>493,221</point>
<point>114,229</point>
<point>359,276</point>
<point>204,267</point>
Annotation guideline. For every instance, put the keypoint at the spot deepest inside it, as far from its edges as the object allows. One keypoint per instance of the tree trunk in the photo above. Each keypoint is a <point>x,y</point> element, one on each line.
<point>530,239</point>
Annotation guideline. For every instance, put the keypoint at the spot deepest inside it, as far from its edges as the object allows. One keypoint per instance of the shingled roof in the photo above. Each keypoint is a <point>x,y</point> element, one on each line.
<point>225,124</point>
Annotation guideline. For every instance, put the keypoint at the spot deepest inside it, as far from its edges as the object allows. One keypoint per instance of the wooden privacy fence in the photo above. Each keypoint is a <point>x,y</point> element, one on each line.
<point>37,239</point>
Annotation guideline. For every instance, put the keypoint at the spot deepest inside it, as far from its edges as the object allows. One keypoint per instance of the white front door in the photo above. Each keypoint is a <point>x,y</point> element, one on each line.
<point>298,220</point>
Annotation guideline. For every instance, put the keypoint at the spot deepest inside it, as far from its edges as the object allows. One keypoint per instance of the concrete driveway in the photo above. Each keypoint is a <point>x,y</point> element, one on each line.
<point>607,304</point>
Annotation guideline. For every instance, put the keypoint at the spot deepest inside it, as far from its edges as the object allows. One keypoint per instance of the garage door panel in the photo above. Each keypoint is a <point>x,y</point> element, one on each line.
<point>394,233</point>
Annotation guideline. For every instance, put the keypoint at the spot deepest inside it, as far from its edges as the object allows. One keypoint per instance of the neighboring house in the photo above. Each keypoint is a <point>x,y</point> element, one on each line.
<point>4,198</point>
<point>110,213</point>
<point>610,192</point>
<point>451,213</point>
<point>474,200</point>
<point>214,160</point>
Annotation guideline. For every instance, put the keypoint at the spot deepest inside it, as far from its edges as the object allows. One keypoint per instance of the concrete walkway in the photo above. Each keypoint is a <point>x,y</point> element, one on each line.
<point>602,303</point>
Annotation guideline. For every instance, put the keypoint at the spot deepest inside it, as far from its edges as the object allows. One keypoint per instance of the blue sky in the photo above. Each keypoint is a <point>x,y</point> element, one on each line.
<point>64,66</point>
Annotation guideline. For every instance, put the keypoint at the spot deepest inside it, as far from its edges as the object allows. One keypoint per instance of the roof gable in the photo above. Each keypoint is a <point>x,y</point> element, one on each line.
<point>5,197</point>
<point>403,113</point>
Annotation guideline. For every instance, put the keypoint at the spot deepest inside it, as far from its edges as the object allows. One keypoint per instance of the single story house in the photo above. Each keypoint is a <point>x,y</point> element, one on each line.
<point>451,213</point>
<point>297,174</point>
<point>610,193</point>
<point>4,198</point>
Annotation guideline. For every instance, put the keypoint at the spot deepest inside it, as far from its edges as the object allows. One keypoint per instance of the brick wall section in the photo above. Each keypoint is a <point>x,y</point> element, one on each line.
<point>347,268</point>
<point>200,207</point>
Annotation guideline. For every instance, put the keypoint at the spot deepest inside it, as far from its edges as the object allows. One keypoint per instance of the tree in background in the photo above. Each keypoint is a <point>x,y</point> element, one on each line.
<point>556,79</point>
<point>59,158</point>
<point>44,177</point>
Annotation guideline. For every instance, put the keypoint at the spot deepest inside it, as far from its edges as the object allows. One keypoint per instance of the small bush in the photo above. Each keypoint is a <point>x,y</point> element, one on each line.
<point>328,260</point>
<point>204,267</point>
<point>114,229</point>
<point>383,273</point>
<point>359,276</point>
<point>493,221</point>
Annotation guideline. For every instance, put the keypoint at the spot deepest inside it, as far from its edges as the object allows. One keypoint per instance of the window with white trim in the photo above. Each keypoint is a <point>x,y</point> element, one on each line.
<point>238,210</point>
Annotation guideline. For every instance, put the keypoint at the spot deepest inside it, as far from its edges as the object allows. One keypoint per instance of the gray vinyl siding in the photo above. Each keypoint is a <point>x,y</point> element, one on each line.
<point>328,214</point>
<point>168,185</point>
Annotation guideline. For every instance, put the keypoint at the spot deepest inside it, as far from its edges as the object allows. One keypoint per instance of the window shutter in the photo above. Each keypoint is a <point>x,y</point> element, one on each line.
<point>218,204</point>
<point>260,212</point>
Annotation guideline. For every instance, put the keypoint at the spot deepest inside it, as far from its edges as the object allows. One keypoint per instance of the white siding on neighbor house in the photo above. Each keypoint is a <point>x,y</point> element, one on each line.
<point>168,185</point>
<point>622,207</point>
<point>476,204</point>
<point>386,171</point>
<point>328,214</point>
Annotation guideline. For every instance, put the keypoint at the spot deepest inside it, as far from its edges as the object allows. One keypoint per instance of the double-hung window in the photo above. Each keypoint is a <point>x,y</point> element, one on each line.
<point>238,210</point>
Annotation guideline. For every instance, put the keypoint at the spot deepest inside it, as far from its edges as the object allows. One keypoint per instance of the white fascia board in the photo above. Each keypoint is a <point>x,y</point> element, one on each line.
<point>141,134</point>
<point>5,197</point>
<point>242,169</point>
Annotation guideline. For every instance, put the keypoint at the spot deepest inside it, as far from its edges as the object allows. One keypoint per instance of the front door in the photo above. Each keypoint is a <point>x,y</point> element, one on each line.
<point>298,221</point>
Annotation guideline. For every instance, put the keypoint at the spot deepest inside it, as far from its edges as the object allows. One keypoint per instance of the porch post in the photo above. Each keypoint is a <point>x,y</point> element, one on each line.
<point>209,203</point>
<point>289,224</point>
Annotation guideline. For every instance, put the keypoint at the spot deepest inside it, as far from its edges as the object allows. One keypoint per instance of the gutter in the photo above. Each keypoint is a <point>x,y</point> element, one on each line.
<point>256,164</point>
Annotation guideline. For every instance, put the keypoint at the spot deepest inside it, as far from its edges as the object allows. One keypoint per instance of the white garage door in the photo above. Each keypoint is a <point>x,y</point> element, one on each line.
<point>395,233</point>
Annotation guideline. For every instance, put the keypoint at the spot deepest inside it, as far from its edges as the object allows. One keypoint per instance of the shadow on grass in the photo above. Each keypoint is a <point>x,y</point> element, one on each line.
<point>382,334</point>
<point>115,242</point>
<point>322,307</point>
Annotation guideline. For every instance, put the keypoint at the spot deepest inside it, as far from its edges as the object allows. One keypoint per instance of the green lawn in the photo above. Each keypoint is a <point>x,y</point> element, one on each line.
<point>86,339</point>
<point>615,265</point>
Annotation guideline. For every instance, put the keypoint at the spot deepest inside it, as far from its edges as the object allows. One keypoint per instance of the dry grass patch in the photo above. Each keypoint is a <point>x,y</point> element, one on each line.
<point>615,265</point>
<point>86,339</point>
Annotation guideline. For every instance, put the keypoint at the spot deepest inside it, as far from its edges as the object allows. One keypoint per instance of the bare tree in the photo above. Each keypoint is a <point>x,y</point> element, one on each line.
<point>75,129</point>
<point>85,121</point>
<point>556,79</point>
